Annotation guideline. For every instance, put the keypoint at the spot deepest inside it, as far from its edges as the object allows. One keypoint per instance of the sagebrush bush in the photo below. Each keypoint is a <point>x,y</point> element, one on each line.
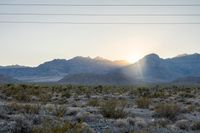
<point>93,102</point>
<point>27,108</point>
<point>60,111</point>
<point>113,109</point>
<point>169,111</point>
<point>143,102</point>
<point>65,128</point>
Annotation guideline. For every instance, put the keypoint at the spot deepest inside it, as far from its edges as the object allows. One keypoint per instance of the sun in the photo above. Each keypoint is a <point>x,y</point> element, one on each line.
<point>133,59</point>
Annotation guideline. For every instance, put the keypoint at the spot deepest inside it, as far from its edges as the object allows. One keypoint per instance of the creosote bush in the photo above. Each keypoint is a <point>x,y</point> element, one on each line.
<point>114,109</point>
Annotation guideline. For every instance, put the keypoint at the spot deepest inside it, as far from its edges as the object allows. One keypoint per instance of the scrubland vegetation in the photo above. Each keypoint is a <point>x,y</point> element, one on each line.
<point>99,109</point>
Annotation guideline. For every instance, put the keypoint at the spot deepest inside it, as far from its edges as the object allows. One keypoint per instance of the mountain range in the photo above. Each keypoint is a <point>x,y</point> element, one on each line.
<point>86,70</point>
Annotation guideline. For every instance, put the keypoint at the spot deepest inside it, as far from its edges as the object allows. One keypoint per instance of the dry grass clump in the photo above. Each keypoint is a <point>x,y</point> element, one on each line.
<point>25,108</point>
<point>158,94</point>
<point>191,108</point>
<point>140,131</point>
<point>113,109</point>
<point>60,111</point>
<point>169,111</point>
<point>25,93</point>
<point>94,102</point>
<point>67,127</point>
<point>57,129</point>
<point>143,102</point>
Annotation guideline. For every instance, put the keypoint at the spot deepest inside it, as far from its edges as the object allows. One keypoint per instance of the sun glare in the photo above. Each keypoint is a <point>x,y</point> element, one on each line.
<point>133,59</point>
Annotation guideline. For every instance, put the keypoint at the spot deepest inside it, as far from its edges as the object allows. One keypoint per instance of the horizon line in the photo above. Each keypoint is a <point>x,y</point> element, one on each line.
<point>103,58</point>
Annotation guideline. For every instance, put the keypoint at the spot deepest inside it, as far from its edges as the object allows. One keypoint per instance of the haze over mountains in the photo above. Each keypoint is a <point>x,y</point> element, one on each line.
<point>86,70</point>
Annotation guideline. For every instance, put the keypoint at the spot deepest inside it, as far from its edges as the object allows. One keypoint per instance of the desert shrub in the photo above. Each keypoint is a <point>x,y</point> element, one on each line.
<point>183,124</point>
<point>66,94</point>
<point>93,102</point>
<point>161,123</point>
<point>143,102</point>
<point>27,108</point>
<point>45,97</point>
<point>142,92</point>
<point>144,131</point>
<point>56,129</point>
<point>23,97</point>
<point>186,95</point>
<point>26,92</point>
<point>32,109</point>
<point>196,125</point>
<point>169,111</point>
<point>60,111</point>
<point>68,127</point>
<point>191,108</point>
<point>158,94</point>
<point>21,127</point>
<point>113,109</point>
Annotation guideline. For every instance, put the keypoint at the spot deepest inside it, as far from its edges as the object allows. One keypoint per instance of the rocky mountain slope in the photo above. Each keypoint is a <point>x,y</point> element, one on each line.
<point>150,69</point>
<point>58,68</point>
<point>86,70</point>
<point>7,79</point>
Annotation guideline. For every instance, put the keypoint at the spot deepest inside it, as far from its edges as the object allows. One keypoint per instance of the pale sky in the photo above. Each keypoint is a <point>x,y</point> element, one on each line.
<point>32,44</point>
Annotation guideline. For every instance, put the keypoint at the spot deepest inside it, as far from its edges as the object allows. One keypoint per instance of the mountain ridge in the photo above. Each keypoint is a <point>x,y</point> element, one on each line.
<point>151,69</point>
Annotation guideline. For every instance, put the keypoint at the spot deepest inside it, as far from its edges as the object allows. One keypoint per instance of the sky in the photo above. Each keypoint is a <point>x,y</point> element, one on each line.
<point>33,44</point>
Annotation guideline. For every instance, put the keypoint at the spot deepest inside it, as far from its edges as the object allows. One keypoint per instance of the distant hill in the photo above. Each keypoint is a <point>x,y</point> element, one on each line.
<point>7,79</point>
<point>98,79</point>
<point>187,80</point>
<point>152,68</point>
<point>58,68</point>
<point>13,66</point>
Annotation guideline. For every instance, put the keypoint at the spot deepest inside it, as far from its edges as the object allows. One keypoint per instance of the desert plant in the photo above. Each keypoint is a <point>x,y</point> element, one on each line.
<point>169,111</point>
<point>143,102</point>
<point>27,108</point>
<point>66,94</point>
<point>60,111</point>
<point>196,125</point>
<point>191,108</point>
<point>93,102</point>
<point>113,109</point>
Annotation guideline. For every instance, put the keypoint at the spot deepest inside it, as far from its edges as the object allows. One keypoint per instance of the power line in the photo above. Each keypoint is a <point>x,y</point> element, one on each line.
<point>101,5</point>
<point>69,14</point>
<point>94,23</point>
